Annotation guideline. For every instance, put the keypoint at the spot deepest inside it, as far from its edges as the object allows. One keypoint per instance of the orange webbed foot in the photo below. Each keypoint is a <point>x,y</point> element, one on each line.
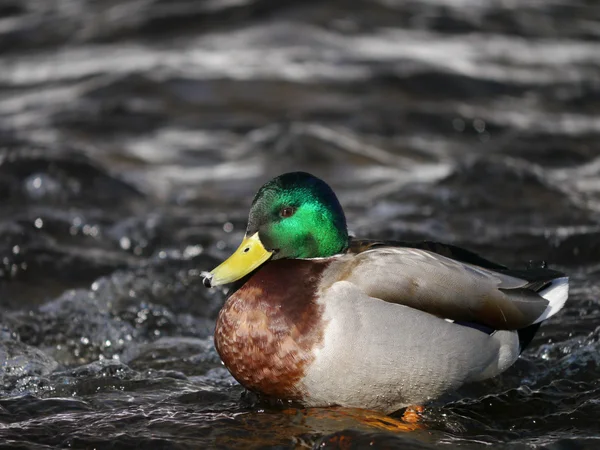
<point>359,417</point>
<point>413,414</point>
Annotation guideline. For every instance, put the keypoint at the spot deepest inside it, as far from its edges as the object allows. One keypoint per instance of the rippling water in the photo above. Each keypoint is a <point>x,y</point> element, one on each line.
<point>133,135</point>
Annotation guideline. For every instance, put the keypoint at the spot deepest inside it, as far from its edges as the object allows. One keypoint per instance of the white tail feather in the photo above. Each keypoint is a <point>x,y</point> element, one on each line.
<point>556,294</point>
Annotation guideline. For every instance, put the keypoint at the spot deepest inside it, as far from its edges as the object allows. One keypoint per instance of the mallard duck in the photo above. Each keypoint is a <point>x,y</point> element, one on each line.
<point>323,319</point>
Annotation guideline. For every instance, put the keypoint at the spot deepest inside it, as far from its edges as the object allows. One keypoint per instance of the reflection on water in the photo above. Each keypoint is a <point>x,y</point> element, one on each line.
<point>133,135</point>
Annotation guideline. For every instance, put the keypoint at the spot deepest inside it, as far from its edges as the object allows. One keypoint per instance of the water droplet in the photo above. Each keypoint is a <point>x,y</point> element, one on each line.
<point>125,243</point>
<point>90,230</point>
<point>485,136</point>
<point>458,124</point>
<point>192,250</point>
<point>479,125</point>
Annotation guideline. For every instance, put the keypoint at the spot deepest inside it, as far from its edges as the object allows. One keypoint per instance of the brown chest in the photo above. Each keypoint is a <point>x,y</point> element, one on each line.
<point>267,330</point>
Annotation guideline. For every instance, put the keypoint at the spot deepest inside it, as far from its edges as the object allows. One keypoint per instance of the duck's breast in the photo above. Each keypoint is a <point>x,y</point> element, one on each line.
<point>267,330</point>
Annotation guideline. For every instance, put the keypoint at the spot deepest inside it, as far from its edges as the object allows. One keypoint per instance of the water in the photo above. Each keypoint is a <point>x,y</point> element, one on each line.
<point>133,135</point>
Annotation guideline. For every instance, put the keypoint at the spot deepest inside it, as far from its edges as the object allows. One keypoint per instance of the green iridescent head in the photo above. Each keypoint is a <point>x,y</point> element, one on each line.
<point>297,215</point>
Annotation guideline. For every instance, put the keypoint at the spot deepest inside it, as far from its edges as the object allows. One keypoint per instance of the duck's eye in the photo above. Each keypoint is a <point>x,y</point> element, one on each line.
<point>287,211</point>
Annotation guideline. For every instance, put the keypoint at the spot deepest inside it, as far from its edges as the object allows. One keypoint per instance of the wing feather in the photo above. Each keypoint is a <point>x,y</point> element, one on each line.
<point>445,287</point>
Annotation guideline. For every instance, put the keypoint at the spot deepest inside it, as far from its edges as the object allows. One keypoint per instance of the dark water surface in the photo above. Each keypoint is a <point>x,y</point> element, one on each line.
<point>133,135</point>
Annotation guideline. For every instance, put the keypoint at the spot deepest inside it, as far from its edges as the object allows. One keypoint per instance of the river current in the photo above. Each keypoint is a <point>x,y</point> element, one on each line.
<point>134,134</point>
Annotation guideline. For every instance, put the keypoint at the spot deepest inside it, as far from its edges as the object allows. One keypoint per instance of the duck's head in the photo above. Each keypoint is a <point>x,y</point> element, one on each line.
<point>295,215</point>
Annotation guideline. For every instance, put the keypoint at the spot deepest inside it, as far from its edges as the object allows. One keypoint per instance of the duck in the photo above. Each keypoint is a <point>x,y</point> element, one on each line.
<point>320,318</point>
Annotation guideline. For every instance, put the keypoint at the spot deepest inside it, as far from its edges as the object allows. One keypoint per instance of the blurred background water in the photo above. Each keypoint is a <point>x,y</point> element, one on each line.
<point>134,133</point>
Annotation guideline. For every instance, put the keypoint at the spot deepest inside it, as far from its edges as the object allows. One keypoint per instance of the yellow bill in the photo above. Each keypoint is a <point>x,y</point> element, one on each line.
<point>250,254</point>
